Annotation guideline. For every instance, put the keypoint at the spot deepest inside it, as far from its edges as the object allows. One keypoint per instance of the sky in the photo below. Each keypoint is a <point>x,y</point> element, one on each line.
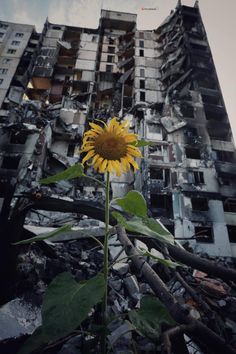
<point>218,18</point>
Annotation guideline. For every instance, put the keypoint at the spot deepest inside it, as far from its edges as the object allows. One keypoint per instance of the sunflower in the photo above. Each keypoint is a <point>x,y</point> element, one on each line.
<point>111,147</point>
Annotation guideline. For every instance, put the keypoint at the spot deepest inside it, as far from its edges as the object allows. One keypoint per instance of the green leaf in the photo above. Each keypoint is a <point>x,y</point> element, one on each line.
<point>36,341</point>
<point>140,143</point>
<point>147,320</point>
<point>74,171</point>
<point>133,203</point>
<point>67,303</point>
<point>166,262</point>
<point>64,228</point>
<point>147,226</point>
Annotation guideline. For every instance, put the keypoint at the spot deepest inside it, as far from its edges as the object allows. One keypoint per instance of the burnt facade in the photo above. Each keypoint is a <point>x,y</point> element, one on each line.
<point>163,81</point>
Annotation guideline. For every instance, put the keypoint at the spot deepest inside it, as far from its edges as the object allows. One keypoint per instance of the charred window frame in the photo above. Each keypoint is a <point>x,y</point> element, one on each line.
<point>110,58</point>
<point>111,49</point>
<point>196,177</point>
<point>142,72</point>
<point>71,150</point>
<point>142,84</point>
<point>199,204</point>
<point>187,110</point>
<point>229,205</point>
<point>18,137</point>
<point>192,153</point>
<point>204,234</point>
<point>161,205</point>
<point>141,44</point>
<point>141,52</point>
<point>109,68</point>
<point>10,162</point>
<point>221,155</point>
<point>231,233</point>
<point>156,173</point>
<point>142,96</point>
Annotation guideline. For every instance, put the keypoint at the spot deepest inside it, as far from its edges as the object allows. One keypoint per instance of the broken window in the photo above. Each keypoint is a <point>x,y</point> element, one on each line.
<point>19,34</point>
<point>156,173</point>
<point>19,137</point>
<point>232,233</point>
<point>161,205</point>
<point>71,150</point>
<point>142,96</point>
<point>220,155</point>
<point>204,234</point>
<point>224,179</point>
<point>142,72</point>
<point>10,162</point>
<point>1,81</point>
<point>3,71</point>
<point>6,60</point>
<point>187,110</point>
<point>11,51</point>
<point>192,153</point>
<point>214,114</point>
<point>3,25</point>
<point>141,44</point>
<point>15,42</point>
<point>195,177</point>
<point>199,204</point>
<point>110,58</point>
<point>142,84</point>
<point>229,205</point>
<point>109,68</point>
<point>141,53</point>
<point>111,49</point>
<point>1,34</point>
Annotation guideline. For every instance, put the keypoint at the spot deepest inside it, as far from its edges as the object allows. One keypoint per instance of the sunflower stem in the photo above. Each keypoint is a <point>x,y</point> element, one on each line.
<point>105,265</point>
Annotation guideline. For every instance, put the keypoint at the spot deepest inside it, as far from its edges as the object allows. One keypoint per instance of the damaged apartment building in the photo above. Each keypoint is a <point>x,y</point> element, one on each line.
<point>52,84</point>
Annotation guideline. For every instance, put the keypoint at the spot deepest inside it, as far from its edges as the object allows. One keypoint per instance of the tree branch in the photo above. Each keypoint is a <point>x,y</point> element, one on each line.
<point>202,334</point>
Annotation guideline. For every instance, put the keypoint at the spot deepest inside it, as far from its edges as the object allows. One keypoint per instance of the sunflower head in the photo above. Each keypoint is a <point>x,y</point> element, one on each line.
<point>111,148</point>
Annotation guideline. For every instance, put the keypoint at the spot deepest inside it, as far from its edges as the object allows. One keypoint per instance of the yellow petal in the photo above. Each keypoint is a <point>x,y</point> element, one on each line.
<point>112,125</point>
<point>87,148</point>
<point>130,138</point>
<point>109,166</point>
<point>96,127</point>
<point>97,163</point>
<point>125,164</point>
<point>134,152</point>
<point>132,162</point>
<point>116,167</point>
<point>95,159</point>
<point>88,156</point>
<point>103,166</point>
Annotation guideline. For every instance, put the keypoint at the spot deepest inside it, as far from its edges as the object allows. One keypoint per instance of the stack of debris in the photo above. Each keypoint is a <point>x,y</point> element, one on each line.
<point>206,298</point>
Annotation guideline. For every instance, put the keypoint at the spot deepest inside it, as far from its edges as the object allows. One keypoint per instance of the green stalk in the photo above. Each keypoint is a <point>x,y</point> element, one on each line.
<point>105,265</point>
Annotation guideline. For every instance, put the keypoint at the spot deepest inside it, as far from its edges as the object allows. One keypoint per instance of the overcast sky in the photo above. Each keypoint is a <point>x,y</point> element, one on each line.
<point>218,17</point>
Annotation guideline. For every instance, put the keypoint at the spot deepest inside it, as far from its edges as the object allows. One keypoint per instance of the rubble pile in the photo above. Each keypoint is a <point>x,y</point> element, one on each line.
<point>39,263</point>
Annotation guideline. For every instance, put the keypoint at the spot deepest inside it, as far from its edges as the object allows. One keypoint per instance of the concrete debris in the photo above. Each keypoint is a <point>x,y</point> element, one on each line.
<point>17,318</point>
